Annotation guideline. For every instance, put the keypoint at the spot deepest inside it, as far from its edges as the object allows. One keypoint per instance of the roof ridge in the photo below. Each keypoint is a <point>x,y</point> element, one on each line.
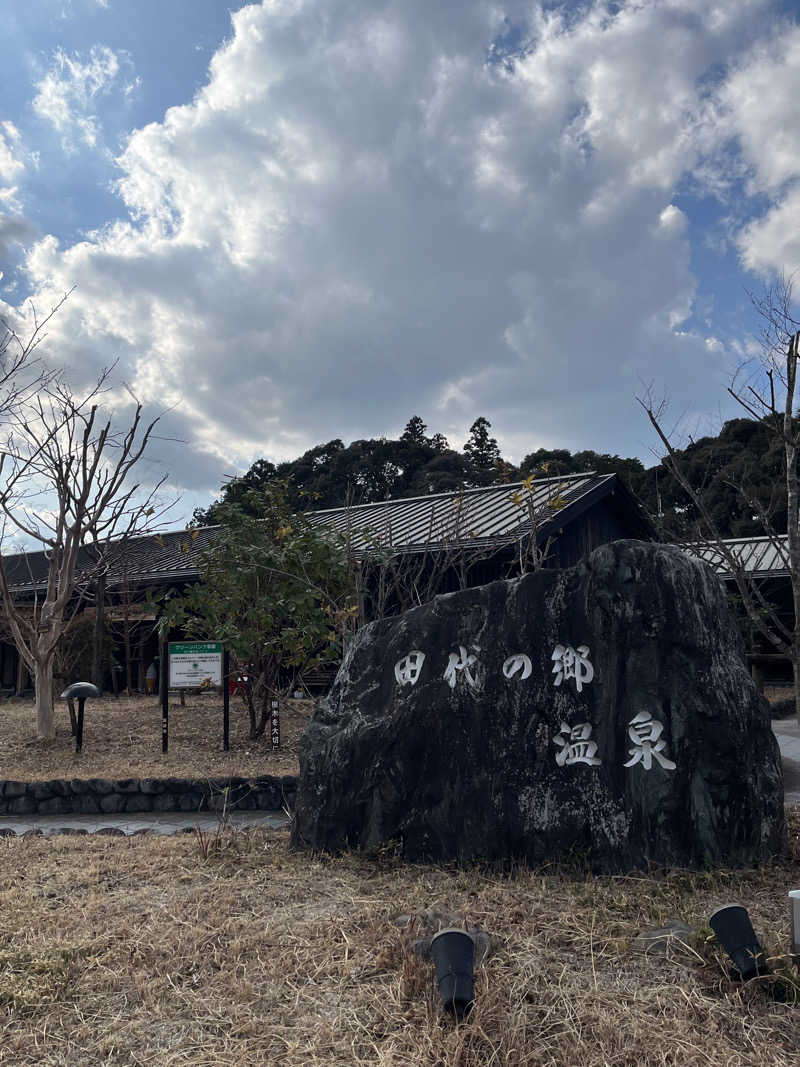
<point>458,492</point>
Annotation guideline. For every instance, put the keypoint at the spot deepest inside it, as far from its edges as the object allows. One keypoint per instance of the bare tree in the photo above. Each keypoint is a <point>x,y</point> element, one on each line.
<point>21,372</point>
<point>67,486</point>
<point>767,393</point>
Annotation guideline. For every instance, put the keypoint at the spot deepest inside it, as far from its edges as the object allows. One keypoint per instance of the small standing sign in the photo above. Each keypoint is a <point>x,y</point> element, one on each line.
<point>275,726</point>
<point>193,665</point>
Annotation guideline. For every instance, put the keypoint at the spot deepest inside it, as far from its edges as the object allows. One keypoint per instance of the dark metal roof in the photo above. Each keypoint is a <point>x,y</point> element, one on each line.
<point>492,516</point>
<point>478,518</point>
<point>761,557</point>
<point>150,558</point>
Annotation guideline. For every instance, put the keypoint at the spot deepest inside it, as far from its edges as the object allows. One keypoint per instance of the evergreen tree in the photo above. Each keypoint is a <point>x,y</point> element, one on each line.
<point>414,433</point>
<point>482,452</point>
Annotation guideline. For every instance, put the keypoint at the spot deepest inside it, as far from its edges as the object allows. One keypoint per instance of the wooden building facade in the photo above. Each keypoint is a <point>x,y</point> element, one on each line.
<point>416,547</point>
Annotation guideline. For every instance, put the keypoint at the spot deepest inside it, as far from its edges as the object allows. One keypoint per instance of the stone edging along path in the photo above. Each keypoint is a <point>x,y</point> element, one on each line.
<point>95,796</point>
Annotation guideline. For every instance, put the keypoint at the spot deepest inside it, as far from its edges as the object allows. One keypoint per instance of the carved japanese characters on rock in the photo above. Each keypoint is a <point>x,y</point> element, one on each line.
<point>603,711</point>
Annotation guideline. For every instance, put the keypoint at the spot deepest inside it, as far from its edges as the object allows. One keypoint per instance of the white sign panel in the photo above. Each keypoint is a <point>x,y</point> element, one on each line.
<point>195,664</point>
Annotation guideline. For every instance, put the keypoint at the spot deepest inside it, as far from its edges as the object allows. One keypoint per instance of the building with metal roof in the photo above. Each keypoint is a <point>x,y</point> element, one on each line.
<point>494,516</point>
<point>765,562</point>
<point>562,518</point>
<point>761,557</point>
<point>172,557</point>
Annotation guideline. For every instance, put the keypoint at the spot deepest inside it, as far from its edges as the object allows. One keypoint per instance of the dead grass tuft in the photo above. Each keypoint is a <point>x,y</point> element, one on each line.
<point>122,739</point>
<point>229,949</point>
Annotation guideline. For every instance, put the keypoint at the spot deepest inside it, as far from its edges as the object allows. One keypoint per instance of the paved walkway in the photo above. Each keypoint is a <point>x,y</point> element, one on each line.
<point>156,823</point>
<point>787,731</point>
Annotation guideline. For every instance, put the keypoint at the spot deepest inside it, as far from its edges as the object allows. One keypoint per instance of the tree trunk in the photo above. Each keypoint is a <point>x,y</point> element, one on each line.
<point>97,648</point>
<point>21,672</point>
<point>793,507</point>
<point>127,648</point>
<point>257,730</point>
<point>141,683</point>
<point>43,680</point>
<point>251,711</point>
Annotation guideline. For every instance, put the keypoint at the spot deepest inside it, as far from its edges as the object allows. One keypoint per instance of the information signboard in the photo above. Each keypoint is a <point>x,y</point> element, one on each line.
<point>195,664</point>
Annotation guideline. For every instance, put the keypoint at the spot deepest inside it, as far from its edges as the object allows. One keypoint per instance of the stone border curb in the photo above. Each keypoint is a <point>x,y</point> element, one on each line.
<point>98,796</point>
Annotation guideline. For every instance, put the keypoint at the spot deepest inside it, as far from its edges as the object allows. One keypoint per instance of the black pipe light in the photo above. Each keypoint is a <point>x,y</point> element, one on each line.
<point>735,933</point>
<point>453,952</point>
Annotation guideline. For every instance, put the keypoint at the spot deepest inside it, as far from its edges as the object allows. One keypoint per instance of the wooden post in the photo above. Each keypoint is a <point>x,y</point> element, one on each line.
<point>226,700</point>
<point>275,724</point>
<point>164,683</point>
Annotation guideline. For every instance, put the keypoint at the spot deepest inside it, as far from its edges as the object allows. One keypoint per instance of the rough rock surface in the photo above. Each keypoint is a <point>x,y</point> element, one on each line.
<point>471,760</point>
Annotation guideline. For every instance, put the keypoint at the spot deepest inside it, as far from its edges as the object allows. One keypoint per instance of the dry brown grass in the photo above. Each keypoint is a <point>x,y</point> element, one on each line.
<point>122,739</point>
<point>140,951</point>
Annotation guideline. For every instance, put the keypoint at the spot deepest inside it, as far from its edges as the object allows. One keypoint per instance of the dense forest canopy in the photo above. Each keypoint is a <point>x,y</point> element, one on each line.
<point>740,472</point>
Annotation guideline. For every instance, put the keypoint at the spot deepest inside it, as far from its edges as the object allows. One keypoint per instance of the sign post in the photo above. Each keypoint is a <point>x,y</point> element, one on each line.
<point>164,687</point>
<point>226,700</point>
<point>275,725</point>
<point>193,665</point>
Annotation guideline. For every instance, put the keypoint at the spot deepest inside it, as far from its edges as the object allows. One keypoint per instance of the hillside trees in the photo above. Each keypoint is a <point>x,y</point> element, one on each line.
<point>368,470</point>
<point>553,462</point>
<point>745,453</point>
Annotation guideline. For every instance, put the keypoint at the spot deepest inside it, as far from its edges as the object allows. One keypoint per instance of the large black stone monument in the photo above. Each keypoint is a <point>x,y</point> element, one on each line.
<point>603,712</point>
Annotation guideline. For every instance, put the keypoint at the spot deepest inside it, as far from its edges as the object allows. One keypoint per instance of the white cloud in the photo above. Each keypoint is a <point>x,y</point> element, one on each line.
<point>771,243</point>
<point>359,217</point>
<point>15,229</point>
<point>759,100</point>
<point>761,95</point>
<point>69,93</point>
<point>11,165</point>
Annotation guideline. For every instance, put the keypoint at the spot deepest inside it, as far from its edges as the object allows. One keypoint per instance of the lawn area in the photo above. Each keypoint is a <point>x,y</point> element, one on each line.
<point>122,739</point>
<point>234,951</point>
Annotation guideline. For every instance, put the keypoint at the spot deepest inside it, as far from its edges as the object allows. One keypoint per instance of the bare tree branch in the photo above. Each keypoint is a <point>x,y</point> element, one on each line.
<point>68,485</point>
<point>771,403</point>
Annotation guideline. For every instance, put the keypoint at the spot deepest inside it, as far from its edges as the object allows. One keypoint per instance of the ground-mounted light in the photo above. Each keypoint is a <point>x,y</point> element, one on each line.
<point>794,919</point>
<point>453,954</point>
<point>735,933</point>
<point>78,691</point>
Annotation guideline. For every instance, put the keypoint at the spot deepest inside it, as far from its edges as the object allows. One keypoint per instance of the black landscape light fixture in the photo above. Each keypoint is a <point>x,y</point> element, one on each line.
<point>735,933</point>
<point>79,691</point>
<point>794,918</point>
<point>453,954</point>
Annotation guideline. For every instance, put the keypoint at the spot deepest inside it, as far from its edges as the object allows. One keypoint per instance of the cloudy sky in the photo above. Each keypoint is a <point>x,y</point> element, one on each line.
<point>303,219</point>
